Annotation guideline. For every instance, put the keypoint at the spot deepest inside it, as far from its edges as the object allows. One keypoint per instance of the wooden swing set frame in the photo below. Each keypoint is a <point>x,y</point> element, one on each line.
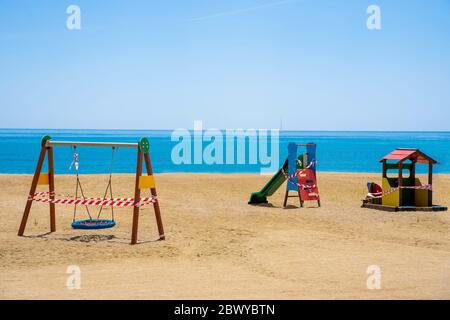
<point>141,182</point>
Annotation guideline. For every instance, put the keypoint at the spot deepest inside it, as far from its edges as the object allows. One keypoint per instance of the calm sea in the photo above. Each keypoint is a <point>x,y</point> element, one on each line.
<point>336,151</point>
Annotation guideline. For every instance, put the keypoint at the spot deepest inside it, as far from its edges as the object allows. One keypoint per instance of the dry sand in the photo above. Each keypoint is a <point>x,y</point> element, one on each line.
<point>218,247</point>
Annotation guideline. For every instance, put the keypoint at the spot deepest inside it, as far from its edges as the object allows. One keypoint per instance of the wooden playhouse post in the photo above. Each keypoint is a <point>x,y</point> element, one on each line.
<point>412,171</point>
<point>384,169</point>
<point>400,183</point>
<point>430,182</point>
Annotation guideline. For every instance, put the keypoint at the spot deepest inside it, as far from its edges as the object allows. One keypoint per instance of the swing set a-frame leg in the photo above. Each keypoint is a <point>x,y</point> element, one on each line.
<point>137,196</point>
<point>34,184</point>
<point>51,187</point>
<point>154,194</point>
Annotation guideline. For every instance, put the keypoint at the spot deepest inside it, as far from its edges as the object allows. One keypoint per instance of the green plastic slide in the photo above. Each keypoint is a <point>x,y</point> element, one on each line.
<point>274,183</point>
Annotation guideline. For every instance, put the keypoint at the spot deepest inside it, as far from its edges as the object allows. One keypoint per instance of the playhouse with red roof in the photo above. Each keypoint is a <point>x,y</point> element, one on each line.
<point>404,191</point>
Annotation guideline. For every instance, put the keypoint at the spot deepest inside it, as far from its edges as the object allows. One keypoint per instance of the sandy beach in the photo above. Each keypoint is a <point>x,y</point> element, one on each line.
<point>219,247</point>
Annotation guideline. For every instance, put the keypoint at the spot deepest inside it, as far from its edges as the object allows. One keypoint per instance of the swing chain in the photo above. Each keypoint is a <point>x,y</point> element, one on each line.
<point>78,186</point>
<point>109,186</point>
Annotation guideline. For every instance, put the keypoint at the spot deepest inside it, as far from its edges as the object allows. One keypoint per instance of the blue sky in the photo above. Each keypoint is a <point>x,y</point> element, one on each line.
<point>233,64</point>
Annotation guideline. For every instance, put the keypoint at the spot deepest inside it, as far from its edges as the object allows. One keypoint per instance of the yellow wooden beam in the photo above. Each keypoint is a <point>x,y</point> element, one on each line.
<point>43,179</point>
<point>146,182</point>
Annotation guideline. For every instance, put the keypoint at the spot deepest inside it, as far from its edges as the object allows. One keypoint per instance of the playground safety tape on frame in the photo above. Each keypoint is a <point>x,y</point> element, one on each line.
<point>114,202</point>
<point>296,174</point>
<point>377,195</point>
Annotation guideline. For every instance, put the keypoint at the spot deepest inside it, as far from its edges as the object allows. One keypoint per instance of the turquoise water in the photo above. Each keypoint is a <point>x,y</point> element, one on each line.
<point>336,151</point>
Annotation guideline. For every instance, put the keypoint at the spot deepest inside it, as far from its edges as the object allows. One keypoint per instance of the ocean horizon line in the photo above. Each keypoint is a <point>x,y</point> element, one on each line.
<point>223,129</point>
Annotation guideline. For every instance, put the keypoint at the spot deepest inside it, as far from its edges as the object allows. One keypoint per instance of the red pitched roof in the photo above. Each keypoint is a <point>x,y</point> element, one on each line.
<point>401,154</point>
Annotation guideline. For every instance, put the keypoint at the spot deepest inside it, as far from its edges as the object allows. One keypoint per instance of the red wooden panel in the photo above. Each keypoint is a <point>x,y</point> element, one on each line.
<point>308,186</point>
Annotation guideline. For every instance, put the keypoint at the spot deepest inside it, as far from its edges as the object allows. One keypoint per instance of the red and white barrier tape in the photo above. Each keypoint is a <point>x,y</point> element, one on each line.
<point>296,174</point>
<point>306,186</point>
<point>47,193</point>
<point>377,195</point>
<point>114,202</point>
<point>68,196</point>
